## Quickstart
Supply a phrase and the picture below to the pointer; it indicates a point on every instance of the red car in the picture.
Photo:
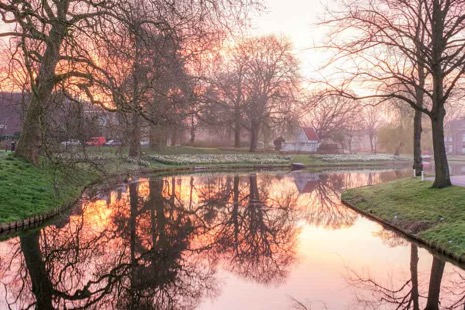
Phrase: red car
(96, 141)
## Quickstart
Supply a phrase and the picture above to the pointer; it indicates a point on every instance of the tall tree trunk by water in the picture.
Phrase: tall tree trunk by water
(254, 131)
(192, 139)
(134, 139)
(441, 166)
(442, 178)
(31, 139)
(437, 270)
(419, 95)
(417, 161)
(237, 128)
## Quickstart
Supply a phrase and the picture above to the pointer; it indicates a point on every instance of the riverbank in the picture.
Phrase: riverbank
(433, 217)
(31, 194)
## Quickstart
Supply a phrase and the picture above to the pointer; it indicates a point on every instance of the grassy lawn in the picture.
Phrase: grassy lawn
(26, 190)
(435, 216)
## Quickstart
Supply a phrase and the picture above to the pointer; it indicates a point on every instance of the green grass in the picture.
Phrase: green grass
(26, 190)
(436, 216)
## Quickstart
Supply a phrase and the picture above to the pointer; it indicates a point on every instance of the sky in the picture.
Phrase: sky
(297, 20)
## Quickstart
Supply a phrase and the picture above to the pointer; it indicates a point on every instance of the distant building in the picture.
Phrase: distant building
(454, 137)
(10, 113)
(306, 141)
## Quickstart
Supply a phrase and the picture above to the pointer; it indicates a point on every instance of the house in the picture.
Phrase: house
(306, 141)
(454, 137)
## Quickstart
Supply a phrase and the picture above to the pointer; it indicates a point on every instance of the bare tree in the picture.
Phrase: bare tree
(334, 118)
(271, 81)
(391, 43)
(57, 44)
(371, 121)
(225, 98)
(42, 36)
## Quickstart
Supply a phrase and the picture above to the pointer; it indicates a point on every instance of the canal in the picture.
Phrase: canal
(244, 240)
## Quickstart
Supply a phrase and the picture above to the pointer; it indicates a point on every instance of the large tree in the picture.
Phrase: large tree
(409, 50)
(224, 100)
(271, 81)
(44, 35)
(335, 118)
(56, 44)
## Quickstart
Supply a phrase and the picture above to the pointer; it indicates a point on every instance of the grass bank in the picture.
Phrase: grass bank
(26, 190)
(435, 217)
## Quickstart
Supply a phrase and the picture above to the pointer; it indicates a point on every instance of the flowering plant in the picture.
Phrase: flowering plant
(181, 159)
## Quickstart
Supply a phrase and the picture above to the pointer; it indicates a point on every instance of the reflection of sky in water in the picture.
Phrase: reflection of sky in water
(455, 168)
(221, 241)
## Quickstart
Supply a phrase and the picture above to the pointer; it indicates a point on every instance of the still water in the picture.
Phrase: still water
(264, 240)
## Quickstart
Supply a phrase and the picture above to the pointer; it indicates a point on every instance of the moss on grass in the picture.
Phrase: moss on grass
(435, 216)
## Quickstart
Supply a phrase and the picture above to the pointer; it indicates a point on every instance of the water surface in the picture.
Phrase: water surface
(265, 240)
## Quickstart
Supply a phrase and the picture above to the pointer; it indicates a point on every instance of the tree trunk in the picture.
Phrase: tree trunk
(174, 135)
(417, 161)
(30, 141)
(134, 139)
(237, 128)
(437, 270)
(192, 139)
(372, 146)
(442, 178)
(157, 137)
(254, 131)
(419, 97)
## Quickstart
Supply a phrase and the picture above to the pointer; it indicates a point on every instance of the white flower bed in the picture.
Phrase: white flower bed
(258, 159)
(339, 158)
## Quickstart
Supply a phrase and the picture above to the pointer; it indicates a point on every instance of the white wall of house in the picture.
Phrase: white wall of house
(309, 146)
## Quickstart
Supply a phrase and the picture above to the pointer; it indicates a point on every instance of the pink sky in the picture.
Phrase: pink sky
(297, 20)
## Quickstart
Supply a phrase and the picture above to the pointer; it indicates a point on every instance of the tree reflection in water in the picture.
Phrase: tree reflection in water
(156, 248)
(253, 233)
(158, 243)
(411, 293)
